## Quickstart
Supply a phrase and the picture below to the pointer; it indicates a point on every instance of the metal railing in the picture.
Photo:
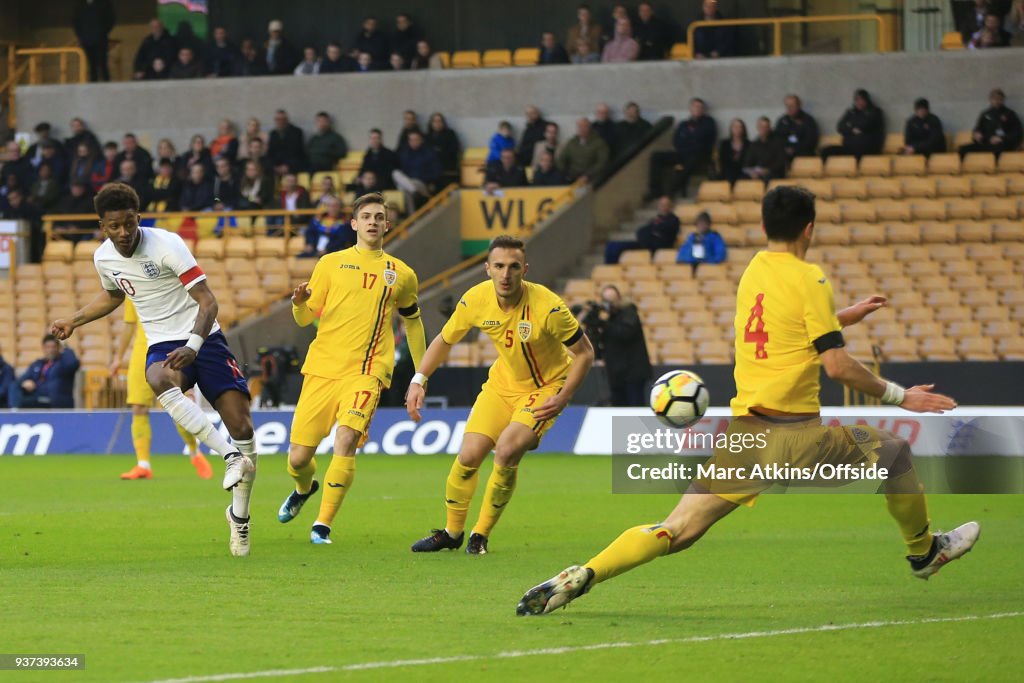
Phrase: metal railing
(884, 44)
(30, 59)
(437, 200)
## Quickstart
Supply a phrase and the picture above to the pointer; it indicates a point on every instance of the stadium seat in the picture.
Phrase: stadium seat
(974, 297)
(209, 249)
(580, 289)
(676, 352)
(989, 186)
(714, 191)
(1011, 162)
(912, 165)
(497, 58)
(1006, 232)
(938, 349)
(999, 208)
(928, 210)
(644, 271)
(806, 167)
(58, 250)
(952, 40)
(892, 211)
(918, 188)
(978, 162)
(899, 349)
(714, 352)
(722, 213)
(445, 59)
(1012, 297)
(664, 256)
(963, 209)
(983, 252)
(828, 212)
(465, 59)
(526, 56)
(961, 329)
(605, 273)
(953, 186)
(853, 211)
(973, 231)
(748, 190)
(849, 188)
(840, 167)
(300, 268)
(1010, 348)
(888, 188)
(893, 144)
(462, 355)
(947, 163)
(273, 247)
(646, 288)
(921, 330)
(867, 233)
(977, 348)
(875, 165)
(830, 140)
(938, 231)
(680, 52)
(84, 250)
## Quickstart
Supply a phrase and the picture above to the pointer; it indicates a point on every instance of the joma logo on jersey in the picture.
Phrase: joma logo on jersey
(490, 323)
(390, 277)
(349, 265)
(150, 270)
(524, 328)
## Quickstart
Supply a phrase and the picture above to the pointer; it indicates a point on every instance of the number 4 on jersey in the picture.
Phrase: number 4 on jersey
(757, 335)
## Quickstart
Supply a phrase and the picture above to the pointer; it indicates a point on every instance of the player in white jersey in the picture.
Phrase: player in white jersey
(178, 313)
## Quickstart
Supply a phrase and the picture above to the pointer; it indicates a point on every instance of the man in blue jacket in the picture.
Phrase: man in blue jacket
(694, 141)
(49, 382)
(704, 245)
(419, 168)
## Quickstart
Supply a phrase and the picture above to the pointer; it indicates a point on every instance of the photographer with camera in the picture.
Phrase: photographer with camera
(618, 337)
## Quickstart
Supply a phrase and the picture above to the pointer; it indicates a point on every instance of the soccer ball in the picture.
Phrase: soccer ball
(679, 398)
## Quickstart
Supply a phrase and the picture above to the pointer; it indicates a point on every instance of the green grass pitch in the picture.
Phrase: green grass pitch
(137, 576)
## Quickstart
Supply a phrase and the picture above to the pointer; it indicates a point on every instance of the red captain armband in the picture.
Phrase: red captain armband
(191, 275)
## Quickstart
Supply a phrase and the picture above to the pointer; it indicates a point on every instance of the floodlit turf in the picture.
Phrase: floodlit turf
(137, 576)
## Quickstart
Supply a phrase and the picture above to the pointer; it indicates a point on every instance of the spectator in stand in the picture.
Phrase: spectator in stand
(129, 175)
(252, 130)
(257, 152)
(396, 62)
(549, 144)
(7, 378)
(256, 190)
(405, 37)
(425, 57)
(106, 169)
(130, 149)
(328, 232)
(622, 47)
(327, 190)
(222, 56)
(379, 159)
(693, 143)
(582, 54)
(34, 153)
(712, 42)
(372, 42)
(862, 128)
(293, 197)
(49, 382)
(585, 29)
(17, 166)
(326, 146)
(251, 62)
(93, 21)
(797, 129)
(499, 141)
(335, 62)
(585, 155)
(632, 129)
(651, 33)
(445, 144)
(186, 66)
(419, 170)
(17, 208)
(165, 193)
(77, 201)
(619, 11)
(226, 142)
(197, 154)
(83, 165)
(923, 133)
(226, 187)
(551, 51)
(159, 70)
(165, 150)
(660, 233)
(45, 192)
(991, 34)
(506, 173)
(364, 63)
(704, 245)
(52, 155)
(410, 124)
(605, 127)
(365, 182)
(547, 173)
(186, 37)
(158, 44)
(534, 131)
(1015, 23)
(80, 133)
(197, 191)
(765, 158)
(281, 56)
(998, 128)
(287, 152)
(975, 21)
(310, 64)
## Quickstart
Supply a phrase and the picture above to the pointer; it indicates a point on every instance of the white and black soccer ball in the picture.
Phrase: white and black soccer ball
(679, 398)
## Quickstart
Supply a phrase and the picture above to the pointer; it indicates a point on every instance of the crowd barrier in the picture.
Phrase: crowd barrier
(580, 430)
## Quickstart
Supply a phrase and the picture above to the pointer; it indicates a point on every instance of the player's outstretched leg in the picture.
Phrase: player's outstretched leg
(459, 489)
(233, 406)
(692, 517)
(301, 467)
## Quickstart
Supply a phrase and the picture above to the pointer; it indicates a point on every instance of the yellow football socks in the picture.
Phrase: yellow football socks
(907, 504)
(142, 437)
(500, 487)
(190, 441)
(634, 547)
(458, 492)
(303, 476)
(337, 482)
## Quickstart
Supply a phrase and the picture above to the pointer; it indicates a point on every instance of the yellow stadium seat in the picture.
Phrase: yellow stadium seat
(828, 212)
(722, 214)
(910, 253)
(909, 165)
(977, 348)
(952, 40)
(841, 167)
(748, 190)
(998, 209)
(526, 56)
(680, 52)
(635, 256)
(921, 330)
(938, 349)
(889, 210)
(714, 191)
(641, 271)
(465, 59)
(83, 251)
(1011, 348)
(875, 165)
(210, 249)
(989, 185)
(580, 288)
(889, 188)
(846, 188)
(445, 59)
(1006, 232)
(902, 232)
(665, 257)
(947, 163)
(58, 250)
(270, 246)
(978, 162)
(900, 349)
(300, 269)
(240, 247)
(953, 186)
(961, 138)
(830, 140)
(676, 352)
(893, 144)
(928, 210)
(1011, 162)
(748, 212)
(963, 209)
(857, 211)
(918, 188)
(984, 252)
(806, 167)
(867, 233)
(973, 231)
(497, 58)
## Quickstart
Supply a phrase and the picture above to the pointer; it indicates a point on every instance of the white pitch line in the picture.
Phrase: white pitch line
(568, 649)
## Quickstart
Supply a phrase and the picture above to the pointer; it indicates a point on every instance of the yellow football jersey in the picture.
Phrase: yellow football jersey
(783, 306)
(356, 294)
(131, 317)
(531, 339)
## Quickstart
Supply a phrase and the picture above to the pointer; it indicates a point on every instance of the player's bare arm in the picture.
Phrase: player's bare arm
(185, 355)
(436, 354)
(860, 310)
(843, 368)
(102, 305)
(583, 358)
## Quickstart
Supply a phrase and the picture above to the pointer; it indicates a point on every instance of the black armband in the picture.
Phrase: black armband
(832, 340)
(409, 311)
(575, 337)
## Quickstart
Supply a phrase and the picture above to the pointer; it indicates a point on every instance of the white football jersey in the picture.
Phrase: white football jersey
(156, 278)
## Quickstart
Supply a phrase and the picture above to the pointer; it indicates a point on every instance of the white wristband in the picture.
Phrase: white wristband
(419, 378)
(893, 395)
(195, 342)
